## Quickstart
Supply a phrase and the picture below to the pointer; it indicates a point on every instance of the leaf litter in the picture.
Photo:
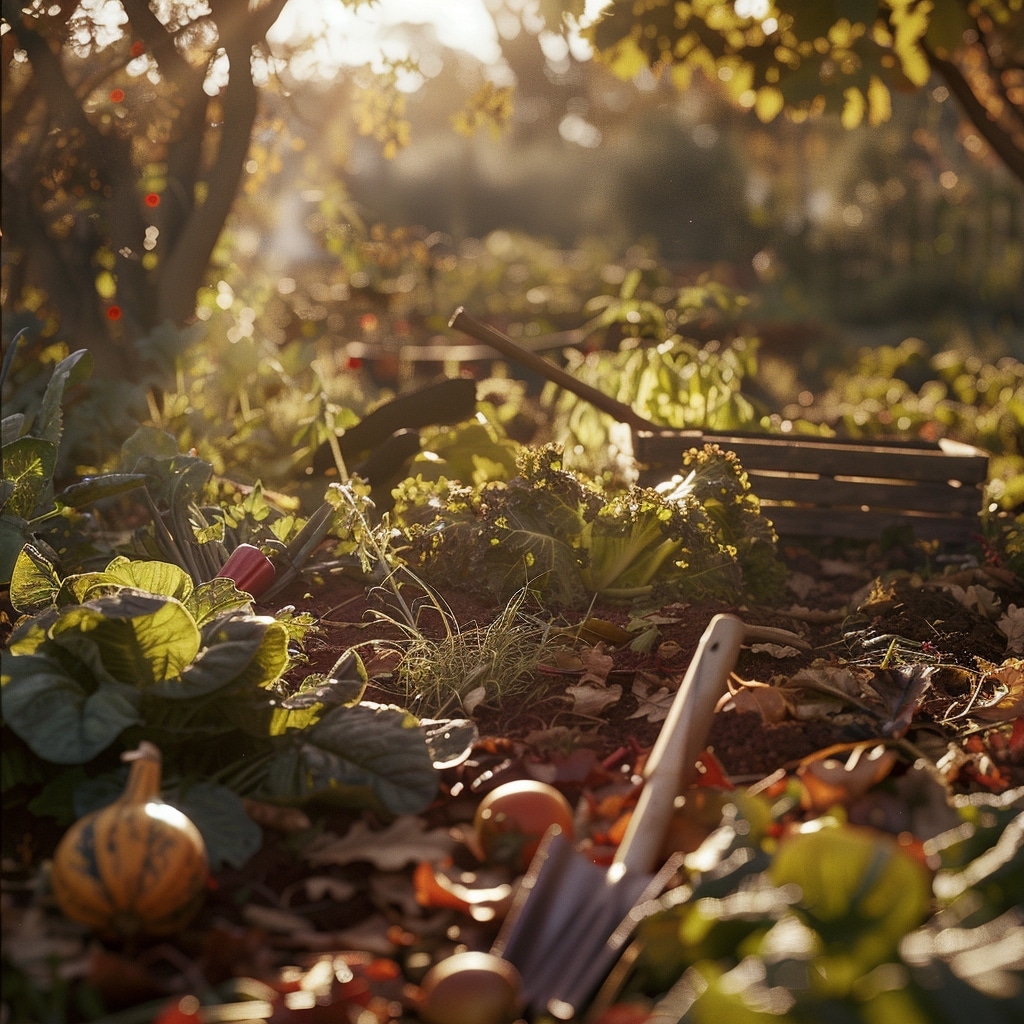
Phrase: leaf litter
(892, 701)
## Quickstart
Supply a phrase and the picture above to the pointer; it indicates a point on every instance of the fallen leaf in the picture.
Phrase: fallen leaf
(840, 774)
(775, 650)
(913, 801)
(838, 567)
(1017, 740)
(901, 691)
(645, 641)
(1009, 704)
(674, 612)
(801, 583)
(404, 841)
(436, 887)
(654, 701)
(838, 680)
(394, 891)
(596, 666)
(578, 766)
(593, 630)
(1011, 625)
(472, 700)
(952, 762)
(762, 699)
(33, 944)
(591, 700)
(978, 599)
(374, 934)
(317, 888)
(710, 773)
(561, 660)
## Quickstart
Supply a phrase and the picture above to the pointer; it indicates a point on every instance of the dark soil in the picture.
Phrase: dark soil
(842, 612)
(859, 608)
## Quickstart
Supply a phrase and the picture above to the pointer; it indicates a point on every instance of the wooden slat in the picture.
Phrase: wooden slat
(944, 461)
(828, 492)
(790, 521)
(817, 487)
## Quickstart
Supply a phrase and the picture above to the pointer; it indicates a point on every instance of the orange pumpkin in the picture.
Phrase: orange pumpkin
(135, 867)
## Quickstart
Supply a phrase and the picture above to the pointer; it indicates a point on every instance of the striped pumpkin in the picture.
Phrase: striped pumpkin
(135, 867)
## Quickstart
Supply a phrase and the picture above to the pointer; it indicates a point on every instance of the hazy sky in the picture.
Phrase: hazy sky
(345, 36)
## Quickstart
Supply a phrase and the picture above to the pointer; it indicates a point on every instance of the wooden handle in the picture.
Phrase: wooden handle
(502, 343)
(682, 738)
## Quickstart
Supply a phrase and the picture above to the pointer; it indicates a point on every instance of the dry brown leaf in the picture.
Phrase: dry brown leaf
(1011, 625)
(594, 630)
(442, 886)
(596, 666)
(841, 680)
(374, 934)
(762, 699)
(34, 943)
(394, 891)
(775, 650)
(404, 841)
(472, 700)
(316, 888)
(977, 599)
(590, 700)
(1010, 703)
(654, 701)
(840, 774)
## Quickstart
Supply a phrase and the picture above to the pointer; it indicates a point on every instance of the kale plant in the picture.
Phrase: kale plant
(563, 536)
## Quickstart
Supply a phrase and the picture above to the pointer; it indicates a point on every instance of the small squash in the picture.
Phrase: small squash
(135, 867)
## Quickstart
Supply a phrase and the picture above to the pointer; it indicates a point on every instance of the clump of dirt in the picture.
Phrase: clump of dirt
(932, 616)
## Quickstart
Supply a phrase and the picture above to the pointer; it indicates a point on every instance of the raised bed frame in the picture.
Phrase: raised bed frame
(808, 486)
(825, 487)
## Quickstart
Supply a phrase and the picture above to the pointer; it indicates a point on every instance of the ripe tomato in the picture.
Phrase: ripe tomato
(511, 820)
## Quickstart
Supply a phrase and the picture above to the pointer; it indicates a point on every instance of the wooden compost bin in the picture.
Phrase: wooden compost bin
(808, 486)
(818, 487)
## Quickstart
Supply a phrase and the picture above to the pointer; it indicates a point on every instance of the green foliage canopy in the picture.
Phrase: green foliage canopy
(805, 57)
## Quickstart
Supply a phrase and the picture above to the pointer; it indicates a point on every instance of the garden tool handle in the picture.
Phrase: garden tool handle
(502, 343)
(682, 738)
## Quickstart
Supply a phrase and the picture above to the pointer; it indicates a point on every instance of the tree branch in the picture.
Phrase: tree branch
(988, 127)
(159, 43)
(185, 266)
(184, 269)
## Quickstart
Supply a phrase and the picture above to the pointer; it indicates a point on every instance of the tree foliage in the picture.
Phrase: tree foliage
(126, 139)
(131, 128)
(806, 57)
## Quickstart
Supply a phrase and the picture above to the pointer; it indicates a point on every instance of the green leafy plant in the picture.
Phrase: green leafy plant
(837, 921)
(905, 391)
(137, 651)
(198, 522)
(680, 357)
(552, 531)
(31, 511)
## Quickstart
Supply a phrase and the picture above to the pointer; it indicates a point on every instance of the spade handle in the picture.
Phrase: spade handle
(682, 738)
(502, 343)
